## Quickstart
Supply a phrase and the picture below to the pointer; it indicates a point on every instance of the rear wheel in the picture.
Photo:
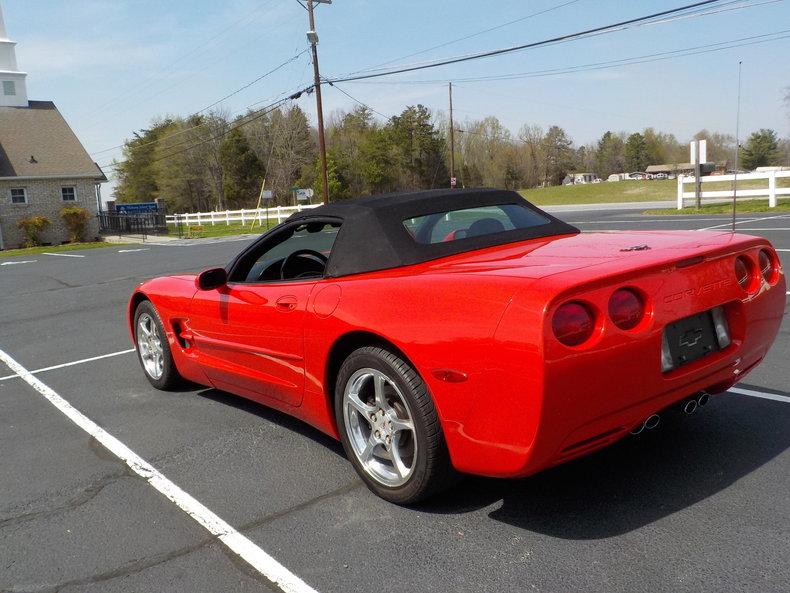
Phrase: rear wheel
(153, 349)
(389, 427)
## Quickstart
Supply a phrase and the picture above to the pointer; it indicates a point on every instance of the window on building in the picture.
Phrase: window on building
(9, 88)
(69, 194)
(18, 195)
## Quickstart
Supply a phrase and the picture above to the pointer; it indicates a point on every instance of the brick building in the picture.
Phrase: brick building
(43, 165)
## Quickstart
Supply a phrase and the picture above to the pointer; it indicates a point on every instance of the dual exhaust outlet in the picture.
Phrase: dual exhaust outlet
(687, 406)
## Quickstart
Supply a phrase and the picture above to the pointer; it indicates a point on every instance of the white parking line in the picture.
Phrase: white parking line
(781, 249)
(651, 220)
(70, 364)
(743, 221)
(235, 541)
(64, 254)
(131, 250)
(16, 263)
(760, 394)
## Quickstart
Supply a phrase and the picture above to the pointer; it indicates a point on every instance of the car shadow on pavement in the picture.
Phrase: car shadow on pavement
(273, 416)
(638, 480)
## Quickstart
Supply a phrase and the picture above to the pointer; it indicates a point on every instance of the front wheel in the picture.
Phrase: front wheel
(153, 350)
(389, 427)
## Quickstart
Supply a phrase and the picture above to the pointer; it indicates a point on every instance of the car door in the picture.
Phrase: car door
(249, 333)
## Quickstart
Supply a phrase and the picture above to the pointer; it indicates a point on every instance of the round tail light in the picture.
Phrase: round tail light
(626, 308)
(573, 324)
(767, 266)
(743, 271)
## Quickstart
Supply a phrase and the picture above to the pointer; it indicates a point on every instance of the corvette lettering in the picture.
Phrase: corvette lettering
(700, 290)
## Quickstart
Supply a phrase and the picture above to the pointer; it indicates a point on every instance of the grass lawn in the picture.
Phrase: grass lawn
(782, 205)
(219, 230)
(629, 191)
(604, 192)
(56, 248)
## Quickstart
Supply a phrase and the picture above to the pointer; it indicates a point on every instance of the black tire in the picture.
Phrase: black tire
(170, 377)
(431, 470)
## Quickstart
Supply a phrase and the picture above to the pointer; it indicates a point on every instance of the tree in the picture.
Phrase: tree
(419, 149)
(663, 148)
(283, 142)
(761, 149)
(721, 147)
(558, 158)
(135, 173)
(609, 158)
(635, 153)
(243, 172)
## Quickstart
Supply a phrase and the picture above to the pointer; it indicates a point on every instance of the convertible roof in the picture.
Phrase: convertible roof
(373, 237)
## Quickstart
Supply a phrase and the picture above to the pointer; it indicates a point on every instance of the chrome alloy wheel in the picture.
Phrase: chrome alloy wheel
(380, 427)
(149, 344)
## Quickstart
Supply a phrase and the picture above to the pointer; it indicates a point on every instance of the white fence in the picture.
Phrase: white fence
(259, 215)
(770, 191)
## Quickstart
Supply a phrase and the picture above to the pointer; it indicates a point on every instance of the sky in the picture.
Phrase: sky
(111, 66)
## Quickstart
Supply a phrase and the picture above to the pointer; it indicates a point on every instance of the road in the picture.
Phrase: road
(698, 505)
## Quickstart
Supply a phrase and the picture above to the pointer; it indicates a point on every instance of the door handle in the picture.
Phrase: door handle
(286, 303)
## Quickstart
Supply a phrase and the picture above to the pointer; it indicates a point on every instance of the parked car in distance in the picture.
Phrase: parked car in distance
(465, 331)
(661, 176)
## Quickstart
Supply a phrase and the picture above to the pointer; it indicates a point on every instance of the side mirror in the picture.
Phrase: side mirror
(211, 279)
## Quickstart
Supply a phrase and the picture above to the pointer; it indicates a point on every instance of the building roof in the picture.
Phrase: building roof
(35, 141)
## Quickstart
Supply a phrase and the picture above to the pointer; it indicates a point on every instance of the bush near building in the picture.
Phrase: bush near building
(76, 220)
(33, 226)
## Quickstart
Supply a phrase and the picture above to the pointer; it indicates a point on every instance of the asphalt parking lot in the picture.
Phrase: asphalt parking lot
(699, 505)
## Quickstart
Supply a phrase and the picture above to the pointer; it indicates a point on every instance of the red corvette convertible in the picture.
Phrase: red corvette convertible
(465, 331)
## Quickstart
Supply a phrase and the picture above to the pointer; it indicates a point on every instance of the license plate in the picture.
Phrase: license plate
(691, 338)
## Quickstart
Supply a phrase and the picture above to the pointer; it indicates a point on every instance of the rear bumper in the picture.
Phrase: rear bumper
(544, 405)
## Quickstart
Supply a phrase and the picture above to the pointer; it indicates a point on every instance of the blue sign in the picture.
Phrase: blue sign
(136, 208)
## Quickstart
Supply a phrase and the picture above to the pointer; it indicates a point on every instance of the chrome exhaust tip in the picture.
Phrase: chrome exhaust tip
(652, 421)
(703, 398)
(690, 407)
(638, 429)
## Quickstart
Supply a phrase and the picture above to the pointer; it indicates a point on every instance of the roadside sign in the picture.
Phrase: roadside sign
(303, 195)
(453, 181)
(267, 194)
(140, 208)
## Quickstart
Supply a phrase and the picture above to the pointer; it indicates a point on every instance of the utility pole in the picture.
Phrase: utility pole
(452, 141)
(312, 37)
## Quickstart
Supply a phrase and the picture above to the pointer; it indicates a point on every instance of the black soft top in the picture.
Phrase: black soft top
(373, 236)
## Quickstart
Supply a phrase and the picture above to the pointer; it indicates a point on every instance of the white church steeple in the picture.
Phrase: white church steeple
(13, 91)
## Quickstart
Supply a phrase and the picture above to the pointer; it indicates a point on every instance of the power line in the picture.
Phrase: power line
(560, 39)
(470, 36)
(215, 103)
(365, 105)
(641, 59)
(687, 14)
(257, 80)
(196, 113)
(261, 113)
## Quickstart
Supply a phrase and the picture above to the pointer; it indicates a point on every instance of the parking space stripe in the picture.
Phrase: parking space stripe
(760, 394)
(64, 254)
(256, 557)
(70, 364)
(743, 221)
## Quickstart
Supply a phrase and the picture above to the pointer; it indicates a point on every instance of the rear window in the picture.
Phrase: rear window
(454, 225)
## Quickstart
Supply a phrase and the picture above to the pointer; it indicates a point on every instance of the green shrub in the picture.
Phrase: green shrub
(76, 220)
(33, 226)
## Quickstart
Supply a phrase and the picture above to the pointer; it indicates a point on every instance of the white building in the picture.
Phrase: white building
(13, 90)
(43, 165)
